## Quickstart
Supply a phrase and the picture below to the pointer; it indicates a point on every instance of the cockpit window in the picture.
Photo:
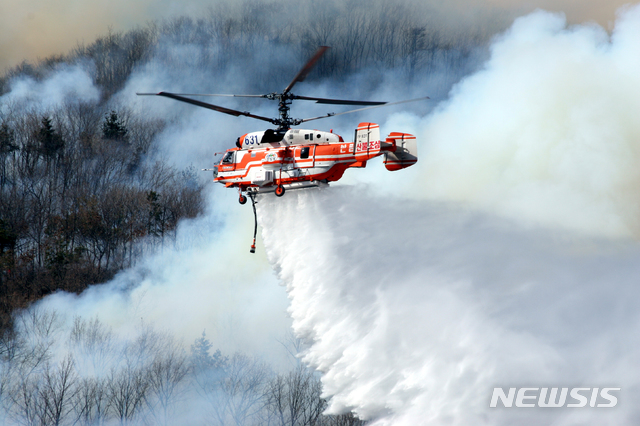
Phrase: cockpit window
(228, 158)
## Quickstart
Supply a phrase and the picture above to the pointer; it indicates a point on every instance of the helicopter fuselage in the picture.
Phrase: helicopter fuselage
(302, 158)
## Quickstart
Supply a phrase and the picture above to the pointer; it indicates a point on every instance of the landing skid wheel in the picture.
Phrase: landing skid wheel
(242, 199)
(279, 191)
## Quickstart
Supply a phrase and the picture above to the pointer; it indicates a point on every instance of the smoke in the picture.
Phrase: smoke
(508, 259)
(546, 131)
(206, 281)
(65, 84)
(30, 30)
(505, 257)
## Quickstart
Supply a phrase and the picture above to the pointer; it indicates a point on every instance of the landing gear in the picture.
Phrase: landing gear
(279, 191)
(242, 199)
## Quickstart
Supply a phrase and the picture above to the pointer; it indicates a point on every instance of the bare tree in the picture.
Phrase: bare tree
(25, 407)
(93, 341)
(126, 391)
(36, 331)
(57, 390)
(233, 389)
(294, 399)
(90, 402)
(166, 377)
(342, 420)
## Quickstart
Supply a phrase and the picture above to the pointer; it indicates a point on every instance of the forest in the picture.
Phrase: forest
(149, 379)
(86, 191)
(77, 199)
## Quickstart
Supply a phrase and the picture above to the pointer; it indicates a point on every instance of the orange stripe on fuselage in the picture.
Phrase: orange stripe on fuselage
(337, 153)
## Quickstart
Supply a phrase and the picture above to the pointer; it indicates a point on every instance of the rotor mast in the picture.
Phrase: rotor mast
(284, 105)
(285, 119)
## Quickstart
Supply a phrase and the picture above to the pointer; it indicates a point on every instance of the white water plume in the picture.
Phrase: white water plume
(416, 310)
(519, 265)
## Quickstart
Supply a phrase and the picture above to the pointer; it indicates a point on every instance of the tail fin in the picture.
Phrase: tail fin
(367, 141)
(405, 153)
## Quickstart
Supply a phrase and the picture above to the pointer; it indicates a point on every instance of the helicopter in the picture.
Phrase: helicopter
(284, 158)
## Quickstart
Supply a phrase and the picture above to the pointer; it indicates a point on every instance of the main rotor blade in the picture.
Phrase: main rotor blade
(208, 94)
(337, 101)
(304, 98)
(302, 74)
(332, 114)
(209, 106)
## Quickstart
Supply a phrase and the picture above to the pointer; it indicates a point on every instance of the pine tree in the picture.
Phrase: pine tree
(50, 141)
(7, 138)
(114, 128)
(201, 357)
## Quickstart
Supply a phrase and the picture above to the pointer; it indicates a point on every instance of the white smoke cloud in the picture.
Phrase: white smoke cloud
(66, 83)
(546, 131)
(207, 281)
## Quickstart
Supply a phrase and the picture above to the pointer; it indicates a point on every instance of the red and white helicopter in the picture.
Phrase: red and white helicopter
(275, 160)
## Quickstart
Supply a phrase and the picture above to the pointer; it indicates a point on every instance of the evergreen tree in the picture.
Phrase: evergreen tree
(7, 138)
(7, 237)
(114, 128)
(201, 357)
(50, 142)
(7, 146)
(200, 351)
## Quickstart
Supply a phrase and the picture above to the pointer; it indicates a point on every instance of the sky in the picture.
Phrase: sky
(35, 29)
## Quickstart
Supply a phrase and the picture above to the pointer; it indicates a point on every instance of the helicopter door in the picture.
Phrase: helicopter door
(305, 156)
